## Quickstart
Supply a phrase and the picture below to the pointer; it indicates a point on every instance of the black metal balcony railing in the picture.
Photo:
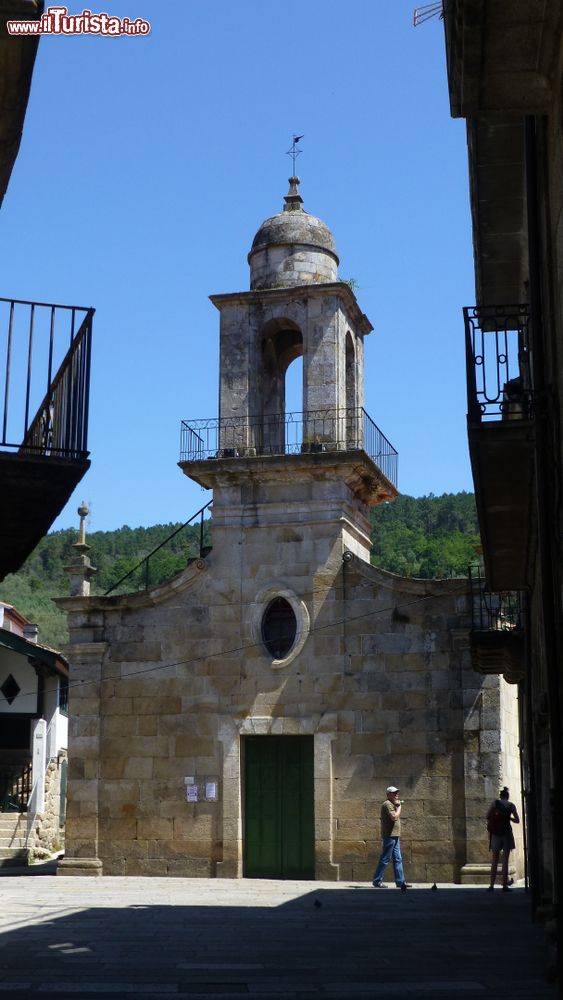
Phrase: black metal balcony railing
(46, 351)
(503, 611)
(328, 430)
(499, 382)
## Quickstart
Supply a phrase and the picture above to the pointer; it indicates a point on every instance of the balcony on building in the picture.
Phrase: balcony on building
(497, 637)
(45, 356)
(328, 437)
(500, 422)
(500, 61)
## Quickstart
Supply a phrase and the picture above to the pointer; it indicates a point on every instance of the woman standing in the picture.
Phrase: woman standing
(501, 814)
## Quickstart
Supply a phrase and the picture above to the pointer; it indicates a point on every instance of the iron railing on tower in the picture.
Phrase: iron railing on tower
(327, 430)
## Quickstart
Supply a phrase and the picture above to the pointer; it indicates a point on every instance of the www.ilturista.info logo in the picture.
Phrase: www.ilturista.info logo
(58, 21)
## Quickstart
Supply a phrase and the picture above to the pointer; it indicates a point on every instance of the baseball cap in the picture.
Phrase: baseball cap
(392, 788)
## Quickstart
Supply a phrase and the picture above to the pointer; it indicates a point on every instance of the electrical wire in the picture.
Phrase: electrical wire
(255, 645)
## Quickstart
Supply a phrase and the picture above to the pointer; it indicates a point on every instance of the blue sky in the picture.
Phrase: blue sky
(146, 166)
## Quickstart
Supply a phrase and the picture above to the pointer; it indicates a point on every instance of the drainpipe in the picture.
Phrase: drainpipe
(546, 510)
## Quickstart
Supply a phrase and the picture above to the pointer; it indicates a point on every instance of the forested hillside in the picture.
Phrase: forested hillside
(113, 553)
(414, 536)
(426, 536)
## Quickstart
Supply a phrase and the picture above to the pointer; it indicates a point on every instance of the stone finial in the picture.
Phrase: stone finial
(81, 570)
(293, 200)
(83, 512)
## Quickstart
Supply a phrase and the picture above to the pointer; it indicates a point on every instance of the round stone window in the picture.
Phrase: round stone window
(279, 628)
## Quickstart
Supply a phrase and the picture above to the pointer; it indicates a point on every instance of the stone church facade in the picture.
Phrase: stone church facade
(245, 717)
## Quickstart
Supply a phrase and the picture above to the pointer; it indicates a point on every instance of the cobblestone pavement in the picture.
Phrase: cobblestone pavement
(193, 938)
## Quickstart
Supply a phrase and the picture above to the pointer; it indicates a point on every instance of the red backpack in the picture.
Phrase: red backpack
(498, 821)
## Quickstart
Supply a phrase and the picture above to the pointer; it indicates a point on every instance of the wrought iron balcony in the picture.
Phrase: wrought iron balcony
(46, 378)
(497, 630)
(313, 431)
(501, 431)
(499, 385)
(45, 357)
(503, 611)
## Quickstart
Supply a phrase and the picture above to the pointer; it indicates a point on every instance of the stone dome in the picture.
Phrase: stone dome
(292, 247)
(294, 227)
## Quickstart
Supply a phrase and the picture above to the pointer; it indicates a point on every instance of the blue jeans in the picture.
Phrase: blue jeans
(391, 852)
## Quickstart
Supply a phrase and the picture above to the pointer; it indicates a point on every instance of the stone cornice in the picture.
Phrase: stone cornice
(85, 651)
(452, 587)
(267, 296)
(358, 470)
(142, 598)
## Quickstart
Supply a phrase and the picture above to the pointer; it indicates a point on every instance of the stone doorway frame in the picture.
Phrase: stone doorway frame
(231, 731)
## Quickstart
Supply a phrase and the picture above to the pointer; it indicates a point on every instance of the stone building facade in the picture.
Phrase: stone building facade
(245, 717)
(505, 78)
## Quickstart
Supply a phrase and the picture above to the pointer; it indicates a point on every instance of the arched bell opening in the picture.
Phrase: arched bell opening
(294, 390)
(282, 343)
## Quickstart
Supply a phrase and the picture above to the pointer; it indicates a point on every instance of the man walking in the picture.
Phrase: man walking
(390, 835)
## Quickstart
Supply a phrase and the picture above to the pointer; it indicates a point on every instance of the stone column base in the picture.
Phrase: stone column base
(228, 869)
(475, 875)
(481, 874)
(80, 866)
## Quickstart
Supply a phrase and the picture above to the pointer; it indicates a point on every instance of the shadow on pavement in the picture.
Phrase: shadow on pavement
(338, 943)
(41, 868)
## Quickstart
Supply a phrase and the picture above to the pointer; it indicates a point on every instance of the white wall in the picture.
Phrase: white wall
(57, 723)
(22, 671)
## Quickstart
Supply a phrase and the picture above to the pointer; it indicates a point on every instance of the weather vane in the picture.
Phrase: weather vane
(294, 152)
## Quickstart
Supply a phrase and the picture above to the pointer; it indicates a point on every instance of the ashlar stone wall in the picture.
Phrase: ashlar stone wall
(166, 686)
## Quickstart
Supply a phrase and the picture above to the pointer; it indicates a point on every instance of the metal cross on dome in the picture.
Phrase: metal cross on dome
(294, 152)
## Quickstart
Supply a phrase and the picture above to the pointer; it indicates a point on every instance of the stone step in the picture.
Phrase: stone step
(11, 842)
(9, 825)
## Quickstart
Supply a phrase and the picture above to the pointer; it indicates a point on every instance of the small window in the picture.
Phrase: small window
(63, 695)
(279, 628)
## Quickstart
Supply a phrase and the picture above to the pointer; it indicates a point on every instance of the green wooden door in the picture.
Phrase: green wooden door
(279, 835)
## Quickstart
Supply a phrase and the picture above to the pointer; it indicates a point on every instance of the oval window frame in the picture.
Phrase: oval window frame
(299, 608)
(278, 614)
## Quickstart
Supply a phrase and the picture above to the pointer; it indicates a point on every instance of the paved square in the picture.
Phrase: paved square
(190, 938)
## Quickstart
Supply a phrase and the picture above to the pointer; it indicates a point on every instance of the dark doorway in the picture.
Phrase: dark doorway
(15, 733)
(279, 834)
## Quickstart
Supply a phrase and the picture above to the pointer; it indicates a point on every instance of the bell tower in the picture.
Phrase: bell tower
(316, 471)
